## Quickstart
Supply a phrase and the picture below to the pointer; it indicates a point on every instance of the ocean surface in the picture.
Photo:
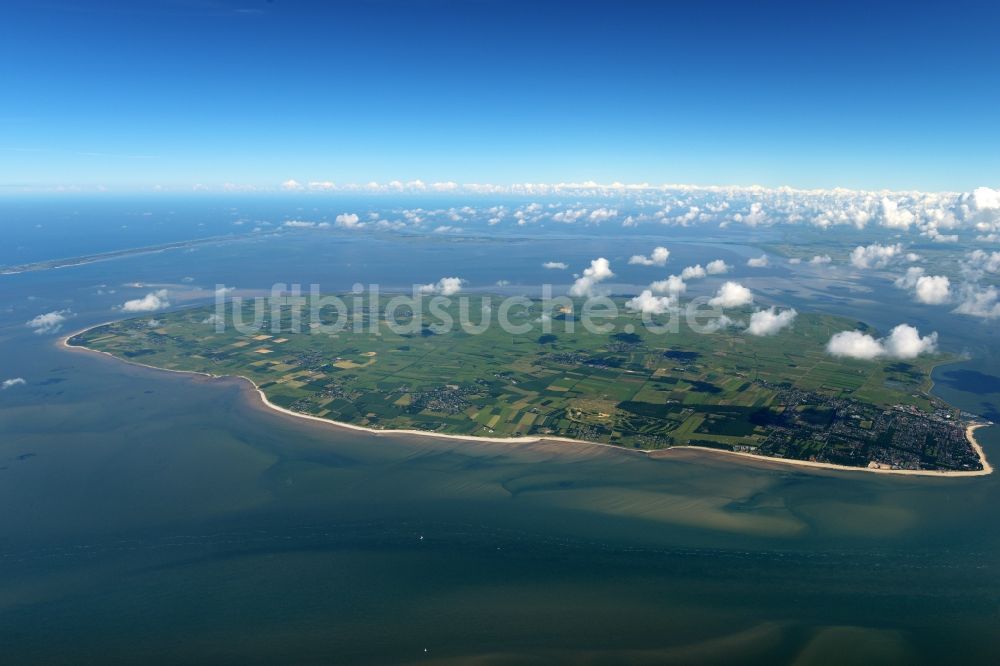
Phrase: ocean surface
(155, 517)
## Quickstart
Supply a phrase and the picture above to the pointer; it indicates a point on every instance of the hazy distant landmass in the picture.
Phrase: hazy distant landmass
(779, 396)
(66, 262)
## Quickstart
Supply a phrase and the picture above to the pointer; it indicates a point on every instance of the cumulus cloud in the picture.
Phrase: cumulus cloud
(12, 382)
(980, 260)
(717, 267)
(933, 289)
(903, 342)
(693, 272)
(151, 302)
(930, 289)
(447, 286)
(982, 302)
(731, 295)
(50, 322)
(599, 270)
(657, 258)
(875, 255)
(673, 285)
(854, 344)
(555, 265)
(820, 259)
(717, 324)
(569, 216)
(759, 262)
(602, 214)
(984, 198)
(909, 279)
(349, 221)
(770, 321)
(647, 303)
(894, 217)
(937, 216)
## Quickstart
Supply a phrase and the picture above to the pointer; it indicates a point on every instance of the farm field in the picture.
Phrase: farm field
(627, 386)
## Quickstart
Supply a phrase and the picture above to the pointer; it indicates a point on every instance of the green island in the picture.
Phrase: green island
(779, 396)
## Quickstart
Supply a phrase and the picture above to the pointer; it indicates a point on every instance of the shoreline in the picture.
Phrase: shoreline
(651, 453)
(84, 260)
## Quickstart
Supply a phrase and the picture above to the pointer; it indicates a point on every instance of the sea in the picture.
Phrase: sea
(153, 517)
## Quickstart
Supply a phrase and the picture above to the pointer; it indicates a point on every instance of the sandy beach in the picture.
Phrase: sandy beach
(657, 453)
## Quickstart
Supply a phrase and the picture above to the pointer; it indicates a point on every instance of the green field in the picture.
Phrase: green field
(634, 389)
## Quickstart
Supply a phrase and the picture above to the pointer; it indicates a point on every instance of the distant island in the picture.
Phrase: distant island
(771, 397)
(81, 260)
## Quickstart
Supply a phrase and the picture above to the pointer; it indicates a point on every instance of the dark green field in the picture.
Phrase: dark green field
(629, 387)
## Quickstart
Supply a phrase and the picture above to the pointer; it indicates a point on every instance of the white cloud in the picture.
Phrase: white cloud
(349, 221)
(983, 302)
(875, 255)
(854, 344)
(717, 267)
(649, 304)
(893, 217)
(602, 214)
(820, 259)
(151, 302)
(909, 279)
(984, 261)
(933, 289)
(693, 272)
(986, 199)
(569, 216)
(50, 322)
(717, 324)
(694, 214)
(12, 382)
(731, 295)
(555, 265)
(657, 258)
(903, 342)
(322, 185)
(759, 262)
(447, 286)
(770, 321)
(302, 224)
(673, 285)
(756, 217)
(599, 270)
(930, 289)
(291, 185)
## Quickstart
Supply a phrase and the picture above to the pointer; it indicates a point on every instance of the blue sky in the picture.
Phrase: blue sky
(811, 94)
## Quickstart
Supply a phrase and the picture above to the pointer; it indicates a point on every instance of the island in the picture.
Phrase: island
(386, 368)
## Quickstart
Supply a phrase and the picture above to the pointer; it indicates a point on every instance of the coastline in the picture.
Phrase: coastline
(83, 260)
(651, 453)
